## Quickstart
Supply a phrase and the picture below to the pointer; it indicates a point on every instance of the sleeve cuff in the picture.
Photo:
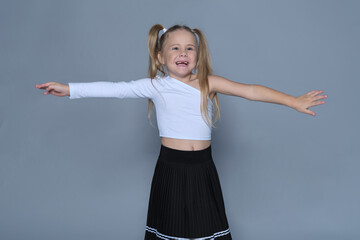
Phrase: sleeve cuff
(72, 91)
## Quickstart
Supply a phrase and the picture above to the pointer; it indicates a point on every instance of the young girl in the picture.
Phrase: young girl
(186, 200)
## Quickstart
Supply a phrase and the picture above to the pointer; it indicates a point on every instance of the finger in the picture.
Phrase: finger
(319, 92)
(318, 103)
(41, 86)
(310, 93)
(50, 88)
(314, 93)
(316, 98)
(312, 113)
(53, 91)
(44, 85)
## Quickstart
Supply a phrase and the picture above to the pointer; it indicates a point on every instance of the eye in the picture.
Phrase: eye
(190, 48)
(175, 48)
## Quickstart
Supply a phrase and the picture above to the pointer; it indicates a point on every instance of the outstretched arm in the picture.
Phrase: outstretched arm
(265, 94)
(141, 88)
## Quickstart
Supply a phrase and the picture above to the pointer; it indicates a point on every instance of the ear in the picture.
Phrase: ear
(160, 58)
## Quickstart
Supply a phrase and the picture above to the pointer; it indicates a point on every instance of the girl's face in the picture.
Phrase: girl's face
(179, 54)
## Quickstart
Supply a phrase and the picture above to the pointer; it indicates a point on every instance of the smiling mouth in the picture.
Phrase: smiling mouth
(184, 63)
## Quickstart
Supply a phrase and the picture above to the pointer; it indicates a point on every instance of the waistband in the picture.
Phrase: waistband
(172, 155)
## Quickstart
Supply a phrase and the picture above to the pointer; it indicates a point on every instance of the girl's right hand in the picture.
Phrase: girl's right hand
(55, 88)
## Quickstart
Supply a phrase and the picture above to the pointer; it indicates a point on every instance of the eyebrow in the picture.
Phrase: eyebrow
(179, 44)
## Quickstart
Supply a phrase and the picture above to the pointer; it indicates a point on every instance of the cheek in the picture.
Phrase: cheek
(194, 58)
(169, 56)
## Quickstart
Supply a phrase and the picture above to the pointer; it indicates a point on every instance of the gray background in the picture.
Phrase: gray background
(81, 169)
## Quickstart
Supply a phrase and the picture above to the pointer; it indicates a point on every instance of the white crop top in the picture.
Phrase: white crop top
(177, 104)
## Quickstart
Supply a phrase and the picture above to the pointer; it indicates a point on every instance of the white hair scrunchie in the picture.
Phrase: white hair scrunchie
(162, 33)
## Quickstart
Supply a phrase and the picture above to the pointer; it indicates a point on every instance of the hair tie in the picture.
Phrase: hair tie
(163, 31)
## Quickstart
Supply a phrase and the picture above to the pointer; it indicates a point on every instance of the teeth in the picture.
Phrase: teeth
(180, 62)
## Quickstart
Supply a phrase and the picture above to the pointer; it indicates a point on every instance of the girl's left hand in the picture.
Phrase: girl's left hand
(310, 99)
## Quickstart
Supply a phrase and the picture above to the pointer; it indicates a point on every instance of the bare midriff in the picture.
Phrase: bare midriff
(185, 144)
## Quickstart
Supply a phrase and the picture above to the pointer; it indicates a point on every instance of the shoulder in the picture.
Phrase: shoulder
(158, 80)
(158, 83)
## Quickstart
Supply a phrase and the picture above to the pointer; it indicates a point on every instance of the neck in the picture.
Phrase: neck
(186, 78)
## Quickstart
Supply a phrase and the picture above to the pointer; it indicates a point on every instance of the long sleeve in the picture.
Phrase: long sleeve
(141, 88)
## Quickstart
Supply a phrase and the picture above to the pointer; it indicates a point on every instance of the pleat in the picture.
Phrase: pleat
(186, 199)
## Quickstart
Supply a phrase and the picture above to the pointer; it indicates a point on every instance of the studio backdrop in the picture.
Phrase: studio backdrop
(81, 169)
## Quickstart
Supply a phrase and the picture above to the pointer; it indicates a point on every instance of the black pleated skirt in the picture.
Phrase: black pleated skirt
(186, 200)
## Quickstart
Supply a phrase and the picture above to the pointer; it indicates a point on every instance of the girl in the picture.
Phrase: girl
(186, 200)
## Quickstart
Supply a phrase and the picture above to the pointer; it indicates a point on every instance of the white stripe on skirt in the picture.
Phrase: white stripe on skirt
(166, 237)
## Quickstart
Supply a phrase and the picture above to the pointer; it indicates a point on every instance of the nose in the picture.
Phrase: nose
(183, 53)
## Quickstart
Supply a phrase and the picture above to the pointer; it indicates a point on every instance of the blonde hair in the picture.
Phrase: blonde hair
(203, 65)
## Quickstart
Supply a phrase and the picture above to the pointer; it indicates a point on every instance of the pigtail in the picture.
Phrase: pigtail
(154, 64)
(153, 47)
(204, 69)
